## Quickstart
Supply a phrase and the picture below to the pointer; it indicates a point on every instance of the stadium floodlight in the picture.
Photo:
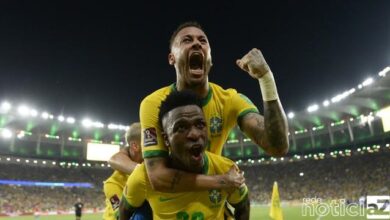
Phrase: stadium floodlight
(312, 108)
(301, 174)
(45, 115)
(291, 115)
(113, 126)
(23, 110)
(384, 71)
(86, 122)
(33, 113)
(5, 106)
(368, 81)
(98, 124)
(61, 118)
(54, 163)
(6, 133)
(360, 86)
(70, 120)
(17, 160)
(325, 103)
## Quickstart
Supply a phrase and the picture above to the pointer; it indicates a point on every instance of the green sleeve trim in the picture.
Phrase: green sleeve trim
(205, 169)
(155, 153)
(243, 113)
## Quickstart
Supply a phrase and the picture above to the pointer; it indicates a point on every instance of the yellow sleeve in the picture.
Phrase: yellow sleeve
(238, 195)
(151, 139)
(240, 105)
(134, 193)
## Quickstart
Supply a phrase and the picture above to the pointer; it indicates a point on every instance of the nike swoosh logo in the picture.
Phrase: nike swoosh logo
(162, 199)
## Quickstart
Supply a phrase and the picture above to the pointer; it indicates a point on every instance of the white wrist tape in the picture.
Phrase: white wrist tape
(268, 88)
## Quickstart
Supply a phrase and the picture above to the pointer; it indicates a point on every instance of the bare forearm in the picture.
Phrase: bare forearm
(122, 163)
(276, 128)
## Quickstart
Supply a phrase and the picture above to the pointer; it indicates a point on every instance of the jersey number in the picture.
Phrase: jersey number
(185, 216)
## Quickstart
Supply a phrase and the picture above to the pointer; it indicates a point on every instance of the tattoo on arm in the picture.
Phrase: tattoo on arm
(175, 180)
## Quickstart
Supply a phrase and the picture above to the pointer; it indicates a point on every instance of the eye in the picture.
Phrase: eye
(180, 128)
(203, 40)
(201, 124)
(186, 40)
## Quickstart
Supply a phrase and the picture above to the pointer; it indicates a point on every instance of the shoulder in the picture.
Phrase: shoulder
(219, 91)
(219, 163)
(158, 95)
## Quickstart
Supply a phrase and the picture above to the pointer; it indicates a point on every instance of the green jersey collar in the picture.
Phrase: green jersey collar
(205, 100)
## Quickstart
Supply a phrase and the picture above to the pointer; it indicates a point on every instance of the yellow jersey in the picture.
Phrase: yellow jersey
(208, 204)
(113, 188)
(222, 109)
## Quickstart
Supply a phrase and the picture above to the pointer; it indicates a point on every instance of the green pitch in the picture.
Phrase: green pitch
(257, 213)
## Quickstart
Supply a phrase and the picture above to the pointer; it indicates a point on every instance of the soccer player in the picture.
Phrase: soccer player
(113, 186)
(185, 134)
(78, 207)
(190, 54)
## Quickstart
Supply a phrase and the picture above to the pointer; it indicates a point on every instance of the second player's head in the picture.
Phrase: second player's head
(133, 139)
(190, 54)
(184, 129)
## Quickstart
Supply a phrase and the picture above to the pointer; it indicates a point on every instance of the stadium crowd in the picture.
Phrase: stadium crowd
(344, 177)
(347, 177)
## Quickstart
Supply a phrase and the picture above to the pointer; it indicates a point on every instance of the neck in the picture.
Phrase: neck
(177, 164)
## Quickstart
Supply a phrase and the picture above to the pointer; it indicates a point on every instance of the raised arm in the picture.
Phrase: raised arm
(166, 179)
(121, 161)
(271, 131)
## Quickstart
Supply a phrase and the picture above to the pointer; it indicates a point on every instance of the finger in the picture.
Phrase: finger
(239, 63)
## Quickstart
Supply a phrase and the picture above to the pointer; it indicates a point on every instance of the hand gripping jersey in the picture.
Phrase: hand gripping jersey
(208, 204)
(222, 109)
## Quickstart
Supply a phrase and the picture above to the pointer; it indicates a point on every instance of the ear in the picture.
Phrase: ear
(171, 59)
(165, 137)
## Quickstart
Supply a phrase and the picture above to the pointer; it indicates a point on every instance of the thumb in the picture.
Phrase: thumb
(239, 63)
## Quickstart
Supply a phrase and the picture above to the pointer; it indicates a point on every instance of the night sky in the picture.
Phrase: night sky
(99, 59)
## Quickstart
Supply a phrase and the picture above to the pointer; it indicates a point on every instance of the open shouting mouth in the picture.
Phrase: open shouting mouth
(196, 63)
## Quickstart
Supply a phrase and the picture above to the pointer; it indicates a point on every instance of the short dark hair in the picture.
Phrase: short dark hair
(177, 99)
(182, 26)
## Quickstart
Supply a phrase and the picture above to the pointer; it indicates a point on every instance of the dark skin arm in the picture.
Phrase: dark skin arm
(166, 179)
(242, 210)
(125, 212)
(121, 161)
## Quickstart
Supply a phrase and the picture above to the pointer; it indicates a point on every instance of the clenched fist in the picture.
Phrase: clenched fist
(254, 63)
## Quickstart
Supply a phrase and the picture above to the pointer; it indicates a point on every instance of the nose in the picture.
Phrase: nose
(194, 133)
(196, 44)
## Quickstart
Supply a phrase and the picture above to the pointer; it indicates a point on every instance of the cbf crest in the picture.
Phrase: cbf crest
(215, 126)
(215, 196)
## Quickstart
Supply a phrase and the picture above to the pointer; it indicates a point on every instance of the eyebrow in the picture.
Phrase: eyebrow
(198, 36)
